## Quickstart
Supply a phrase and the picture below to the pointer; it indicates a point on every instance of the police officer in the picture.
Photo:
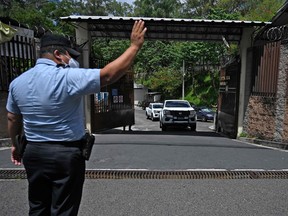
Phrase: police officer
(47, 99)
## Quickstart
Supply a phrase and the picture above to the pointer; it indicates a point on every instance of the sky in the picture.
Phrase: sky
(128, 1)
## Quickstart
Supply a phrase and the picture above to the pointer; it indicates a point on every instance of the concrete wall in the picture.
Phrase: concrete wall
(139, 93)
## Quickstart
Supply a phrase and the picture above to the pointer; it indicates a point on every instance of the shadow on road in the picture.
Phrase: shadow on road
(168, 132)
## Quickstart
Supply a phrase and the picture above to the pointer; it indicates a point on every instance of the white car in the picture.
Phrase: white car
(153, 110)
(177, 113)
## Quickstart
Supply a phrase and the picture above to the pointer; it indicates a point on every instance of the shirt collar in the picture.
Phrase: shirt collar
(46, 61)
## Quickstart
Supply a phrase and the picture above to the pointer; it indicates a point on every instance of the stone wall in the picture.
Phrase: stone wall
(260, 117)
(285, 125)
(264, 121)
(267, 117)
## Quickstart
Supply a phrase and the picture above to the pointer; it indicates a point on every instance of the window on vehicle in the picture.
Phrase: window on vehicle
(158, 106)
(206, 110)
(177, 104)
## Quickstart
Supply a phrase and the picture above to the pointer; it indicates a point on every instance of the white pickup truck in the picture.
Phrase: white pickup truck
(177, 113)
(153, 110)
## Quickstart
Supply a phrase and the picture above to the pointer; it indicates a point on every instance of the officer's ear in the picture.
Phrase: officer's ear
(57, 55)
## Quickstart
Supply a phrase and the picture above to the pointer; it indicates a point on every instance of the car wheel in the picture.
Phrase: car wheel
(164, 127)
(204, 119)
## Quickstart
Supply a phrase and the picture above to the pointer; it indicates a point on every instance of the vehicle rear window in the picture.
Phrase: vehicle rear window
(158, 106)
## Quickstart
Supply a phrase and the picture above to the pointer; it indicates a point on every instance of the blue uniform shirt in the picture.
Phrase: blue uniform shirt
(50, 100)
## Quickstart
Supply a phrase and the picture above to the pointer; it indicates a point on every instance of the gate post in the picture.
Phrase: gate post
(244, 45)
(83, 37)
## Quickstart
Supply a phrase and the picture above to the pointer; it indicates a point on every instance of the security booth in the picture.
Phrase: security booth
(89, 27)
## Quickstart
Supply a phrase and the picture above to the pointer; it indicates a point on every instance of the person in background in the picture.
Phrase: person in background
(47, 101)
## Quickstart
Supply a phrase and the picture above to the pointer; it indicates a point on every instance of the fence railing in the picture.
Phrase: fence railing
(266, 69)
(16, 56)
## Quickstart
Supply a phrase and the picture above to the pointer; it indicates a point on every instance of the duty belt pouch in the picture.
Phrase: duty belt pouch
(20, 144)
(88, 142)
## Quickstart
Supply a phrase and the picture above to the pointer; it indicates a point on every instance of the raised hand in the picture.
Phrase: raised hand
(138, 33)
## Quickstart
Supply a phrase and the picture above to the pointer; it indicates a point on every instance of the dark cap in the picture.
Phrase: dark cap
(58, 40)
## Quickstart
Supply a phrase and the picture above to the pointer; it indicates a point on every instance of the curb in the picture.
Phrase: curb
(268, 143)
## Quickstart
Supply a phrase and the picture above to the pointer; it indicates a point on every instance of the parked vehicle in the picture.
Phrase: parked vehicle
(153, 110)
(177, 113)
(205, 114)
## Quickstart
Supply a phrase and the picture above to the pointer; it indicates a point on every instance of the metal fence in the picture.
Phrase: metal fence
(266, 69)
(17, 56)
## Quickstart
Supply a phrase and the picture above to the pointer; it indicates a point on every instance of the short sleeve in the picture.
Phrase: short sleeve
(11, 105)
(82, 81)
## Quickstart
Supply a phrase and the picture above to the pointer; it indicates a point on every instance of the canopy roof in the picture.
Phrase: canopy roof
(166, 28)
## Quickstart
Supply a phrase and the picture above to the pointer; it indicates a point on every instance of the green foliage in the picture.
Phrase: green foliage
(204, 90)
(157, 8)
(167, 81)
(109, 50)
(46, 14)
(159, 63)
(263, 10)
(119, 9)
(222, 14)
(198, 9)
(243, 134)
(260, 10)
(31, 14)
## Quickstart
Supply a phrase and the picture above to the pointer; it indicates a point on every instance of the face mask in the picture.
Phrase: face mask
(73, 63)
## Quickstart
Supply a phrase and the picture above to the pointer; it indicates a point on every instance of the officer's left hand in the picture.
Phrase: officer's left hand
(15, 157)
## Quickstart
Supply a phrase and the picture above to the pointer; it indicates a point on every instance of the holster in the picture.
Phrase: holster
(20, 144)
(88, 142)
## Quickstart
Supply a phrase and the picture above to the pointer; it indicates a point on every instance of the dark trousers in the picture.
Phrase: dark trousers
(56, 174)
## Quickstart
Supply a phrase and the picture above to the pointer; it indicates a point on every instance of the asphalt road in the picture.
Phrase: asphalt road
(147, 147)
(165, 198)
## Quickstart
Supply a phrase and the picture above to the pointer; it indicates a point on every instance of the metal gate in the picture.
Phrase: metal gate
(17, 56)
(114, 105)
(227, 113)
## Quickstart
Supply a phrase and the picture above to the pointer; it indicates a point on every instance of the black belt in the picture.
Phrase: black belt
(77, 143)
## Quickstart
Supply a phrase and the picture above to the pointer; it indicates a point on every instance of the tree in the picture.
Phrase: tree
(197, 9)
(119, 9)
(263, 10)
(156, 59)
(166, 81)
(157, 8)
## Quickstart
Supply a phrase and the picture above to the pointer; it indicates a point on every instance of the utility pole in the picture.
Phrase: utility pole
(183, 75)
